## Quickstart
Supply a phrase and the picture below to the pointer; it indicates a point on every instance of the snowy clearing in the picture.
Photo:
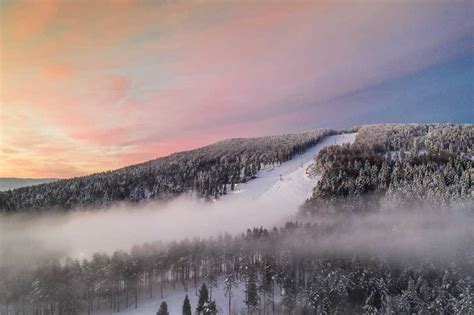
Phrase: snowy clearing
(175, 298)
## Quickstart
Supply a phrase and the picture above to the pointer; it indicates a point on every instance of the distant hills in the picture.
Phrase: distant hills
(7, 183)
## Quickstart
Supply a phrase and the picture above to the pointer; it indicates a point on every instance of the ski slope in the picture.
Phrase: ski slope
(287, 185)
(288, 181)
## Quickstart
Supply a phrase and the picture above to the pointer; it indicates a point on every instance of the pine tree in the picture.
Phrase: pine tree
(163, 309)
(203, 299)
(230, 283)
(251, 292)
(186, 306)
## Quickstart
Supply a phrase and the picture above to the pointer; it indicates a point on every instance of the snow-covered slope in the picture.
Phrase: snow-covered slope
(288, 180)
(288, 184)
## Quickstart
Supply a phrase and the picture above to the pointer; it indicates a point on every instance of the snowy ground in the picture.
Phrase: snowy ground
(288, 180)
(286, 184)
(175, 298)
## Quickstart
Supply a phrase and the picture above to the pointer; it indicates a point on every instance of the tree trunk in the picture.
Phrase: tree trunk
(136, 297)
(118, 302)
(126, 298)
(273, 297)
(150, 280)
(161, 285)
(88, 302)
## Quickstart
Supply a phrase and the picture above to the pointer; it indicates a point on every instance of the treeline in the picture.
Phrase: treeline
(279, 269)
(209, 172)
(454, 138)
(396, 164)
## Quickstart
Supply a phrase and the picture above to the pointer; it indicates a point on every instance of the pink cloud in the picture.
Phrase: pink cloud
(130, 81)
(116, 136)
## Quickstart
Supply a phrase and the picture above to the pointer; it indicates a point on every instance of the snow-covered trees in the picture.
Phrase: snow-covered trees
(230, 283)
(396, 165)
(206, 171)
(279, 271)
(203, 298)
(252, 299)
(205, 305)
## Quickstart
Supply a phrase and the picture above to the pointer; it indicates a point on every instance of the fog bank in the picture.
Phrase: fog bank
(400, 233)
(415, 234)
(80, 234)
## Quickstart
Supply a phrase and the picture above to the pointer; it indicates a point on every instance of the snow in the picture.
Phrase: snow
(289, 179)
(175, 298)
(287, 183)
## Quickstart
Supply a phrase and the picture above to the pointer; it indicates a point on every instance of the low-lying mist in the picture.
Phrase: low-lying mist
(423, 233)
(398, 234)
(82, 233)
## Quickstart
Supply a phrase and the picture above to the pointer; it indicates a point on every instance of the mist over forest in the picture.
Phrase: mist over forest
(418, 232)
(81, 233)
(387, 228)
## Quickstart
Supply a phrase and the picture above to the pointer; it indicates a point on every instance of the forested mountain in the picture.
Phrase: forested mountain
(397, 165)
(313, 266)
(208, 171)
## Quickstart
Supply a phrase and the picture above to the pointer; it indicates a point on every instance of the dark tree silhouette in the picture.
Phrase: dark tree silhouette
(186, 306)
(163, 310)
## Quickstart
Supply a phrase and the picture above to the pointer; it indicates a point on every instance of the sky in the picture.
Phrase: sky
(89, 86)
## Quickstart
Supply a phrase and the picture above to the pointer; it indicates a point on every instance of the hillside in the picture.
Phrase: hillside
(385, 231)
(209, 172)
(401, 165)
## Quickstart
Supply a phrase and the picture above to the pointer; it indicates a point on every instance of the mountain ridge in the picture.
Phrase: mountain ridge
(208, 171)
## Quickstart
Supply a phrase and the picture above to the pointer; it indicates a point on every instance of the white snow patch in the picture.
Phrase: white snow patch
(288, 180)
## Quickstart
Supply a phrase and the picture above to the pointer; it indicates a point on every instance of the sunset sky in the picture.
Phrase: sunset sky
(88, 86)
